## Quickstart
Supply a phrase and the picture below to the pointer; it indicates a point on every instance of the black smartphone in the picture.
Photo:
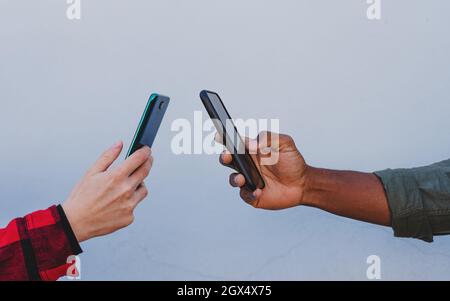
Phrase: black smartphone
(232, 140)
(150, 121)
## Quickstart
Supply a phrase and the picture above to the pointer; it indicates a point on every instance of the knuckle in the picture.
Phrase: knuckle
(106, 156)
(128, 192)
(263, 135)
(285, 138)
(142, 155)
(127, 209)
(147, 169)
(129, 219)
(145, 192)
(115, 178)
(264, 139)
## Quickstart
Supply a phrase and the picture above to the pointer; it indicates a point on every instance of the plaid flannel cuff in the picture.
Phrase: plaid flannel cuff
(48, 241)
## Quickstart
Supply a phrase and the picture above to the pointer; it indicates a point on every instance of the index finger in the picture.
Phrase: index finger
(134, 161)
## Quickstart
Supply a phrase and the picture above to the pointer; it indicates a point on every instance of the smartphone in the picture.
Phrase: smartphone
(232, 140)
(150, 121)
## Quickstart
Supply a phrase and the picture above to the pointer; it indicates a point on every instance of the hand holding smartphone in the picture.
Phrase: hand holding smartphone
(232, 140)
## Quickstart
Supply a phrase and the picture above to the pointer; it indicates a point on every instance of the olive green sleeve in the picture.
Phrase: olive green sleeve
(419, 200)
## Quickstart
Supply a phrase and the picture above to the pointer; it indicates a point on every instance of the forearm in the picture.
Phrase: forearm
(355, 195)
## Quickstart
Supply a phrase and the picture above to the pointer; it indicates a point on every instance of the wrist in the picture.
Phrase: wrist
(313, 186)
(76, 223)
(71, 239)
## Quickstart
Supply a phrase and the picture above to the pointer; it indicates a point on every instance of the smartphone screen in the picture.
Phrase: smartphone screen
(232, 140)
(150, 122)
(225, 125)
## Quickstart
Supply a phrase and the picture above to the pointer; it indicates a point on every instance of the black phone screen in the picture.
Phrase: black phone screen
(226, 127)
(232, 140)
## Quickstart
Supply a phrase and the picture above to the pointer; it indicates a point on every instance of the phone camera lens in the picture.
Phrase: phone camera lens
(161, 104)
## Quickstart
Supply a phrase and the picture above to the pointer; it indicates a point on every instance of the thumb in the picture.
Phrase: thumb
(107, 158)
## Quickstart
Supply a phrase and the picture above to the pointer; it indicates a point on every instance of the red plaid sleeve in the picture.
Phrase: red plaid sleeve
(36, 247)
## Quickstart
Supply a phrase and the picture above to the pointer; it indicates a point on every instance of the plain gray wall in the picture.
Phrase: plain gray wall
(354, 93)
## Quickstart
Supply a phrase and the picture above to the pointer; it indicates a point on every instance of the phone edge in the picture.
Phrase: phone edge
(152, 98)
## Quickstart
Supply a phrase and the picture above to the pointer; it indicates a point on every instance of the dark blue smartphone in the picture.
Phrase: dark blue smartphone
(150, 122)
